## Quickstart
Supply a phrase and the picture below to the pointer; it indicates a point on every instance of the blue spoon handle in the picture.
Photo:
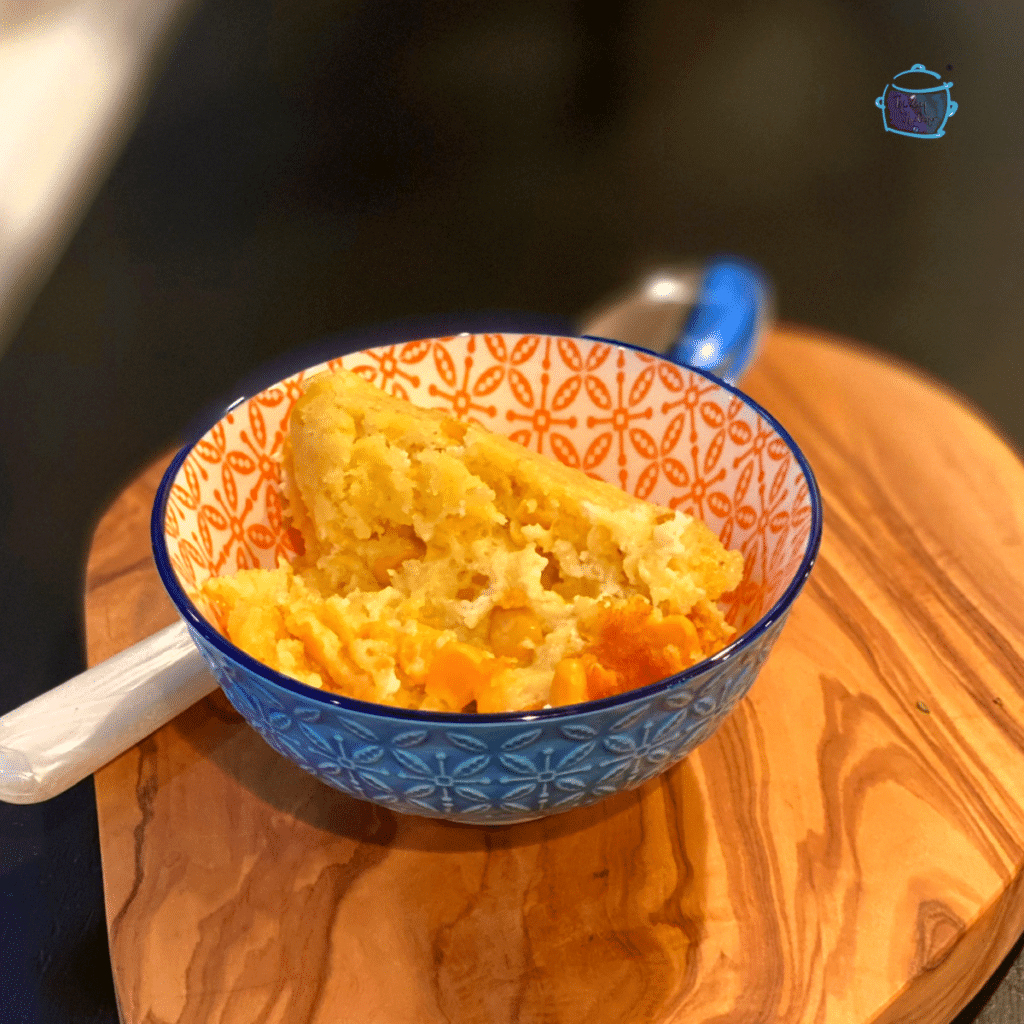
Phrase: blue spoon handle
(723, 330)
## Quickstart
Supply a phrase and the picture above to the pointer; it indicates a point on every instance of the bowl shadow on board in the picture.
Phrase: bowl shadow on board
(216, 732)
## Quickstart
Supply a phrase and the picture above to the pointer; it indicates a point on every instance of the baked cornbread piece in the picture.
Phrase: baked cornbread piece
(448, 568)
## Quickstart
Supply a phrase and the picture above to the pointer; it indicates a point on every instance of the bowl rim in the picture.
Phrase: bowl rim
(197, 622)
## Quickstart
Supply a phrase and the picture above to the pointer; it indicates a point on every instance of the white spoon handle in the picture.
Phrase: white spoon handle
(58, 738)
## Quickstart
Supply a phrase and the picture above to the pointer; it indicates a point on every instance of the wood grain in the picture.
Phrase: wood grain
(847, 849)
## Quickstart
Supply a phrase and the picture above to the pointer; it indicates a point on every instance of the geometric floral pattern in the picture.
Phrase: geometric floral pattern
(481, 770)
(656, 429)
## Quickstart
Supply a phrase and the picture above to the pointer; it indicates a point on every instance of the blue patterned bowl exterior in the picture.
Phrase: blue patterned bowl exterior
(504, 768)
(482, 770)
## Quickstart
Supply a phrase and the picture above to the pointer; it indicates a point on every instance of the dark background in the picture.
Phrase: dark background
(307, 167)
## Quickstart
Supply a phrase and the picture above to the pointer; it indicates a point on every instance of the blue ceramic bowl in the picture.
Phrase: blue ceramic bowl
(676, 436)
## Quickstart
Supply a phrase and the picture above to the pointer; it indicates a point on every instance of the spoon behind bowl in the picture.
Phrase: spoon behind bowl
(712, 320)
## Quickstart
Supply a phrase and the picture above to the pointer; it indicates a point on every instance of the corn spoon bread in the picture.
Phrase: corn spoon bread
(447, 568)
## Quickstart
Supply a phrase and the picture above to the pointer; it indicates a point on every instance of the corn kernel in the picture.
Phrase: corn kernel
(459, 671)
(601, 681)
(677, 630)
(515, 633)
(404, 549)
(569, 685)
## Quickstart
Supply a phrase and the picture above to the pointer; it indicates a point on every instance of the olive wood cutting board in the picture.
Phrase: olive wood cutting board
(847, 849)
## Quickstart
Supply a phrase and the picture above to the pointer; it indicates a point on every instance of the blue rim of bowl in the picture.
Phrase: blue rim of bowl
(190, 614)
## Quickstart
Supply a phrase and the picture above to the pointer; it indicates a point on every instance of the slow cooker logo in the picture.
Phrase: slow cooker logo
(916, 106)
